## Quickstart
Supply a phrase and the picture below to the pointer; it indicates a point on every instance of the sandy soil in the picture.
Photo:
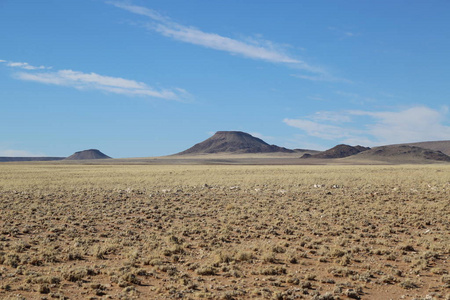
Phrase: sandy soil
(224, 232)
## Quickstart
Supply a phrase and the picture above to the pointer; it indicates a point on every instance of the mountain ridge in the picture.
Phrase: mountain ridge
(403, 152)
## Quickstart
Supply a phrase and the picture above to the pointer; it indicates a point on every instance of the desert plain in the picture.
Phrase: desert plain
(101, 231)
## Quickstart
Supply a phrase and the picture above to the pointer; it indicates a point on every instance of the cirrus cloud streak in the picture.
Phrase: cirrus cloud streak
(257, 49)
(250, 48)
(94, 81)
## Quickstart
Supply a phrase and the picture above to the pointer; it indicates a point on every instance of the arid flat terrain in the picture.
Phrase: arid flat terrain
(72, 231)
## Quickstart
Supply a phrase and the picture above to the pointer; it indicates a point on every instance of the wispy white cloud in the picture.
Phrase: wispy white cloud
(215, 41)
(94, 81)
(140, 10)
(23, 65)
(251, 48)
(419, 123)
(19, 153)
(323, 76)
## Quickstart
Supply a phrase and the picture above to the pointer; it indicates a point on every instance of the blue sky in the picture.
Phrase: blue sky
(148, 78)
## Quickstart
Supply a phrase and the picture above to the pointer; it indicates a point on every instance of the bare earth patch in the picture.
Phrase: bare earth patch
(224, 232)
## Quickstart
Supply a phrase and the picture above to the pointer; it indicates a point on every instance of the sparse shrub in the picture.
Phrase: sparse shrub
(294, 281)
(12, 260)
(408, 248)
(345, 260)
(206, 271)
(352, 294)
(245, 256)
(341, 272)
(224, 257)
(445, 279)
(278, 249)
(45, 280)
(50, 255)
(128, 279)
(293, 259)
(310, 277)
(326, 296)
(389, 279)
(44, 289)
(75, 255)
(408, 284)
(78, 274)
(391, 257)
(273, 271)
(269, 258)
(337, 253)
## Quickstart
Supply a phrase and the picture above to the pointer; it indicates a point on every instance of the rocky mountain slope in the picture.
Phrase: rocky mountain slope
(233, 142)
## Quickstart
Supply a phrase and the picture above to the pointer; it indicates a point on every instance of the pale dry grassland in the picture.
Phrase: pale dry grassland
(224, 232)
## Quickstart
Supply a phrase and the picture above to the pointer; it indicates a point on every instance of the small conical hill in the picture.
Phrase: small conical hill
(339, 151)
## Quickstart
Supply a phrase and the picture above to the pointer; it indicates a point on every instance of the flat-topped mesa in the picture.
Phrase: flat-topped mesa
(88, 154)
(233, 142)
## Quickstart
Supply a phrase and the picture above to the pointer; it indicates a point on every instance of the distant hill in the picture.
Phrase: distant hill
(46, 158)
(87, 154)
(233, 142)
(402, 153)
(443, 146)
(338, 151)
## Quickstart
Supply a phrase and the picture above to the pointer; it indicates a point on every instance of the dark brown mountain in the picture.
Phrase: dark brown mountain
(361, 148)
(443, 146)
(403, 153)
(233, 142)
(338, 151)
(87, 154)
